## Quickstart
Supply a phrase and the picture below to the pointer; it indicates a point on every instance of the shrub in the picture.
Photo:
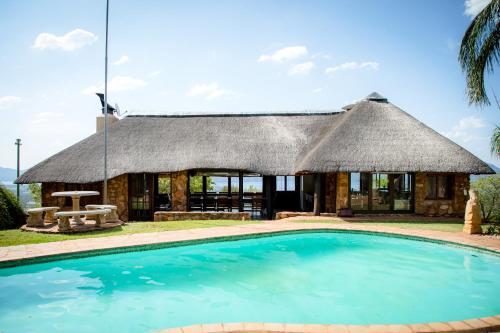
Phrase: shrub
(11, 214)
(489, 199)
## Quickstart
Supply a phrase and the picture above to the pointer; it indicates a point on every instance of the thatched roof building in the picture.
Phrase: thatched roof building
(372, 135)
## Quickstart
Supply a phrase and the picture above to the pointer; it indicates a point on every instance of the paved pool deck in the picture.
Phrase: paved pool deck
(13, 255)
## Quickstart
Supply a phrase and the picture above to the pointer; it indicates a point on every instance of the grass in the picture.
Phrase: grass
(18, 237)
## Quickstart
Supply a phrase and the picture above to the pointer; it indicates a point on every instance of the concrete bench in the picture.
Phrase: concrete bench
(36, 216)
(65, 216)
(113, 216)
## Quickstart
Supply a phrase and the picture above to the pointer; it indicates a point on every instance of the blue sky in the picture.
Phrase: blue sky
(230, 56)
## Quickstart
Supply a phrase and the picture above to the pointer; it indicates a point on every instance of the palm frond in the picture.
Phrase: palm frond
(479, 50)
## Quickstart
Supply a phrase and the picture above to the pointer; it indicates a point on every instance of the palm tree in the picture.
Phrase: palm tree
(479, 53)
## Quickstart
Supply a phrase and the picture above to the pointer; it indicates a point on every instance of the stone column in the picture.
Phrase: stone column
(472, 223)
(330, 192)
(180, 191)
(342, 200)
(118, 195)
(420, 194)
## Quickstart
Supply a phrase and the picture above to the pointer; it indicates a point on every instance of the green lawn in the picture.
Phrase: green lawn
(18, 237)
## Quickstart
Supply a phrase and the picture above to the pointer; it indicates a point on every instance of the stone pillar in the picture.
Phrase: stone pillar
(330, 192)
(118, 195)
(472, 223)
(342, 200)
(180, 191)
(420, 194)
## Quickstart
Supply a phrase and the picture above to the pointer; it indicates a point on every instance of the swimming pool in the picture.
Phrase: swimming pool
(319, 277)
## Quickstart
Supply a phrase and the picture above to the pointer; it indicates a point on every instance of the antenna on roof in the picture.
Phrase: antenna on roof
(118, 111)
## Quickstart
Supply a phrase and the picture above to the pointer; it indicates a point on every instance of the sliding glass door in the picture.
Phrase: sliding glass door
(381, 192)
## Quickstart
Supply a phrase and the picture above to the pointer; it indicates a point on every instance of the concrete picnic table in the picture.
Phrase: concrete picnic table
(75, 196)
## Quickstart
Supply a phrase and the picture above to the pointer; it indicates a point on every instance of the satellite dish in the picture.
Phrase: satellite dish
(118, 111)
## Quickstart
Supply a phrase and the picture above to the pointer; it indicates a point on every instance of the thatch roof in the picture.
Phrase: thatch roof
(372, 136)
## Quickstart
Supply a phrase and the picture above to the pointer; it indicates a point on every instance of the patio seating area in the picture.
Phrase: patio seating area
(50, 220)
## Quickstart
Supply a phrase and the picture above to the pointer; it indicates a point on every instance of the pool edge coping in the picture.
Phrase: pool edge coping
(485, 324)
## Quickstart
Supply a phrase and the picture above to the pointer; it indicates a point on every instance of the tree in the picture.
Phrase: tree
(36, 193)
(479, 53)
(11, 214)
(196, 184)
(489, 197)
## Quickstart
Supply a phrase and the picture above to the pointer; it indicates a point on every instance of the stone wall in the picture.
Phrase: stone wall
(181, 216)
(330, 197)
(118, 195)
(342, 198)
(180, 191)
(441, 207)
(47, 199)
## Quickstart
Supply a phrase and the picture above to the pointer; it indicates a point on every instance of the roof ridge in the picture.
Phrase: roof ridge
(220, 115)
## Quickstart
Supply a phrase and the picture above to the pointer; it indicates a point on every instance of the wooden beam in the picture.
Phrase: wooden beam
(317, 194)
(269, 189)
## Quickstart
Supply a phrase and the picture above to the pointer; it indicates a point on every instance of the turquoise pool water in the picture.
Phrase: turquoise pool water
(296, 278)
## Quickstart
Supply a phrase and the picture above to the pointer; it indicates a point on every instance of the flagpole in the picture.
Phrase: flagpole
(105, 186)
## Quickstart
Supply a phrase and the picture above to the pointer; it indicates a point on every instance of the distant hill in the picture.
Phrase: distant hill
(476, 177)
(494, 167)
(7, 174)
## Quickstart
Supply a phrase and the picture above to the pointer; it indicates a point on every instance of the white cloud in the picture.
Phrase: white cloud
(8, 101)
(209, 91)
(122, 60)
(43, 117)
(69, 42)
(353, 65)
(463, 130)
(117, 83)
(284, 54)
(301, 69)
(317, 90)
(474, 7)
(155, 73)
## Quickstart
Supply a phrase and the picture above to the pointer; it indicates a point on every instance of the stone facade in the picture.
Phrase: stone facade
(342, 189)
(118, 195)
(47, 199)
(330, 181)
(181, 216)
(441, 207)
(180, 191)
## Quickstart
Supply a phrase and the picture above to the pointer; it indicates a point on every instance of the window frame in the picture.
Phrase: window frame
(449, 186)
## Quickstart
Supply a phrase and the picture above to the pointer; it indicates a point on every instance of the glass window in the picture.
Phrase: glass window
(280, 183)
(439, 187)
(402, 192)
(380, 191)
(359, 191)
(164, 184)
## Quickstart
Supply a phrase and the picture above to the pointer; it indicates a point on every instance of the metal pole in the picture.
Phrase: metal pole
(18, 144)
(105, 187)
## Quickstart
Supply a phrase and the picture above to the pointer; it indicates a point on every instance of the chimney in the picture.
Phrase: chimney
(111, 118)
(99, 122)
